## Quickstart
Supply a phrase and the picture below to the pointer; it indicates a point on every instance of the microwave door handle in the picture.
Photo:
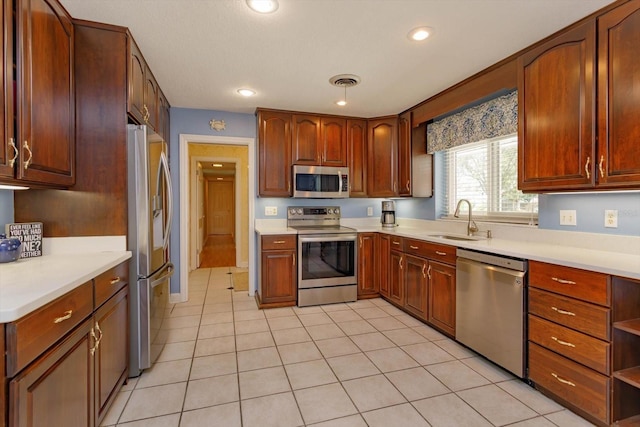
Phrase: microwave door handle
(167, 177)
(339, 182)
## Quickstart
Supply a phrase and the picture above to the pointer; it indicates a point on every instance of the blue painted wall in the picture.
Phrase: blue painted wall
(6, 208)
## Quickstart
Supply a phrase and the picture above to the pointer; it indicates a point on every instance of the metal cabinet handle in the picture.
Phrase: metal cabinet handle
(100, 337)
(400, 263)
(12, 143)
(554, 375)
(563, 281)
(600, 166)
(115, 280)
(67, 315)
(92, 350)
(293, 256)
(146, 114)
(413, 247)
(395, 187)
(560, 311)
(565, 343)
(424, 266)
(408, 185)
(278, 242)
(27, 162)
(441, 253)
(360, 242)
(429, 272)
(586, 167)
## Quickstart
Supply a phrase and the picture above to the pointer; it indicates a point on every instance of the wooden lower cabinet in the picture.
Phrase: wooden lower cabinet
(57, 389)
(396, 278)
(416, 286)
(368, 268)
(383, 257)
(278, 271)
(442, 296)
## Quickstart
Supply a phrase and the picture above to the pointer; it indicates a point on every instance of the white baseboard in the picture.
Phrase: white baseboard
(176, 298)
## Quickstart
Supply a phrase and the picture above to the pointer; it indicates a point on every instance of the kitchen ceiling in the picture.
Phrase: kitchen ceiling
(202, 51)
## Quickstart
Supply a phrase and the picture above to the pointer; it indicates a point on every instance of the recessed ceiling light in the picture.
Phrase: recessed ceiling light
(217, 165)
(341, 103)
(219, 179)
(420, 33)
(263, 6)
(246, 92)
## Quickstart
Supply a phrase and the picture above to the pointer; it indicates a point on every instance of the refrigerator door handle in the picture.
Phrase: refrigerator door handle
(169, 272)
(164, 170)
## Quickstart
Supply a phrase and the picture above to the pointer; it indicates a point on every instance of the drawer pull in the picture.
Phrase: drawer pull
(278, 242)
(565, 312)
(441, 253)
(563, 281)
(568, 344)
(67, 315)
(562, 381)
(395, 243)
(413, 247)
(115, 280)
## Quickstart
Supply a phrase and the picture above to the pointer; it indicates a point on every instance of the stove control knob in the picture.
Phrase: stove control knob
(337, 211)
(329, 211)
(299, 211)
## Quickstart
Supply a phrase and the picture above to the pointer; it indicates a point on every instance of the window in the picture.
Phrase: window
(486, 174)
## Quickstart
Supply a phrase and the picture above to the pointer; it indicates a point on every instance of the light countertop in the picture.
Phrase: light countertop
(30, 283)
(615, 255)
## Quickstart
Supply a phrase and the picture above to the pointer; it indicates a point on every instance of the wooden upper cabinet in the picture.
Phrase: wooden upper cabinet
(382, 157)
(163, 127)
(45, 135)
(306, 143)
(357, 155)
(404, 154)
(274, 153)
(7, 153)
(151, 101)
(618, 97)
(137, 68)
(319, 140)
(333, 134)
(556, 104)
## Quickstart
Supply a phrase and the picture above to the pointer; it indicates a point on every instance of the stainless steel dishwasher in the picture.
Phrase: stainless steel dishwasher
(490, 307)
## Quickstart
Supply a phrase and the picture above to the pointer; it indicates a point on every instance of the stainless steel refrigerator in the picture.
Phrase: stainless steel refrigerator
(150, 212)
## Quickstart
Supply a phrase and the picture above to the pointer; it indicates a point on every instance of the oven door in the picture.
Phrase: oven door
(326, 260)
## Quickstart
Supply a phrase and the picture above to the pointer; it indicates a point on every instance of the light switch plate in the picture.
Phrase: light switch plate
(611, 218)
(270, 210)
(369, 211)
(568, 217)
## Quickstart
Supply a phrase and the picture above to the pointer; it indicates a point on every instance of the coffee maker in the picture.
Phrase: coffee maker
(388, 218)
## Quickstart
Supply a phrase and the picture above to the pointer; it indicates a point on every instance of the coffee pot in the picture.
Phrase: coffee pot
(388, 218)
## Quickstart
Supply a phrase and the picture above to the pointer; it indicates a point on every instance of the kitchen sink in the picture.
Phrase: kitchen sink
(456, 237)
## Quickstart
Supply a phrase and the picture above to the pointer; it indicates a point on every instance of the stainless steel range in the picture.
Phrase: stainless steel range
(327, 254)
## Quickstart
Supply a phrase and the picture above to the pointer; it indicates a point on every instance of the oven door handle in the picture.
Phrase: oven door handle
(329, 238)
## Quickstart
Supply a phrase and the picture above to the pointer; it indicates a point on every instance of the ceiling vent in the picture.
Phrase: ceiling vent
(344, 80)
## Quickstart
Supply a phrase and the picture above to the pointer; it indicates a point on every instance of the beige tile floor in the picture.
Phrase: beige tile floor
(367, 363)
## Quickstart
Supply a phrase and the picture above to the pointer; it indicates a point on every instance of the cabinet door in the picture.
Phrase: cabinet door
(150, 106)
(442, 296)
(556, 104)
(57, 389)
(46, 112)
(357, 155)
(396, 277)
(334, 141)
(163, 117)
(382, 157)
(7, 151)
(137, 68)
(306, 142)
(278, 276)
(618, 110)
(111, 365)
(383, 256)
(404, 154)
(274, 154)
(415, 286)
(368, 277)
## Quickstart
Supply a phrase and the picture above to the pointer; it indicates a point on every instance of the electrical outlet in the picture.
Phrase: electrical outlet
(369, 211)
(568, 217)
(270, 210)
(611, 218)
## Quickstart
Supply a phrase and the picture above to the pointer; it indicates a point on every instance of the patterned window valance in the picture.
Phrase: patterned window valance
(490, 119)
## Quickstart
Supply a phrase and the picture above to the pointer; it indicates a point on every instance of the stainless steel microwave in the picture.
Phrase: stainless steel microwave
(320, 182)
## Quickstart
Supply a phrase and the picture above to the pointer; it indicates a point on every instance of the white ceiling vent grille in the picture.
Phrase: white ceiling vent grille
(344, 80)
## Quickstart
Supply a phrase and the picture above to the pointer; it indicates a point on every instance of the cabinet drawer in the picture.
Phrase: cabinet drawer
(396, 243)
(582, 284)
(582, 348)
(442, 253)
(110, 282)
(31, 335)
(581, 316)
(285, 241)
(577, 385)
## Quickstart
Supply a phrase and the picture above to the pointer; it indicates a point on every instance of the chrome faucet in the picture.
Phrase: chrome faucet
(471, 224)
